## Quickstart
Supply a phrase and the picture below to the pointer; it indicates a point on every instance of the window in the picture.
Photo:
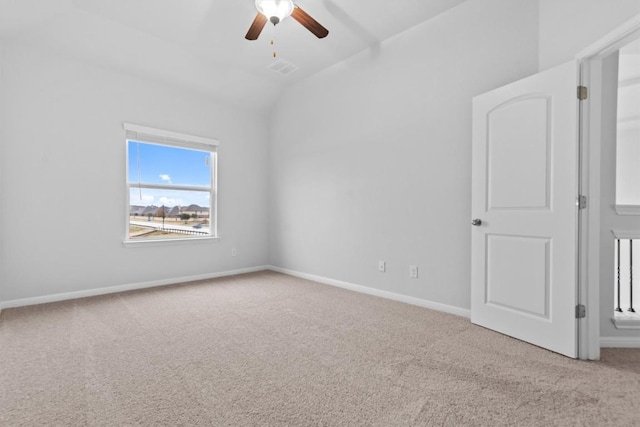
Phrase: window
(171, 185)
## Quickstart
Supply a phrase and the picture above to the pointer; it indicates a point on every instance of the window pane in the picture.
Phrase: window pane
(160, 214)
(160, 164)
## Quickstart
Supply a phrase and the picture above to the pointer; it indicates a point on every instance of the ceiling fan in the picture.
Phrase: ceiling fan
(275, 11)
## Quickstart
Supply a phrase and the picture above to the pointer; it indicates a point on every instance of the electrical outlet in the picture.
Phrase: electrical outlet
(413, 271)
(234, 252)
(382, 266)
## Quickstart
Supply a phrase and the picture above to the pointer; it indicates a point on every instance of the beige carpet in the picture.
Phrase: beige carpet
(266, 349)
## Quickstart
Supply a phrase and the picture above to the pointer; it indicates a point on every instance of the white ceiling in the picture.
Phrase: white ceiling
(200, 43)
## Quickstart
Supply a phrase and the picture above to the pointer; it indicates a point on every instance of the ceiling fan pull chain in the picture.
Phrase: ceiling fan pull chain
(273, 37)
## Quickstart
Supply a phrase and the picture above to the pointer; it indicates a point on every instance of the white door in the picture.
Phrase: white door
(525, 180)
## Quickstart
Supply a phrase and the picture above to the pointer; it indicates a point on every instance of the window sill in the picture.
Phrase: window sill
(627, 209)
(626, 320)
(169, 242)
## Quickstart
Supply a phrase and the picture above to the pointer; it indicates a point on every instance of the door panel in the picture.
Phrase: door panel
(518, 273)
(524, 252)
(518, 157)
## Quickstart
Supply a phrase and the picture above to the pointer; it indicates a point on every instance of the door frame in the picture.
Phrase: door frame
(590, 130)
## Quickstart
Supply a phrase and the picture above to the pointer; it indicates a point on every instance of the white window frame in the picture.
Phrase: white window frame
(167, 138)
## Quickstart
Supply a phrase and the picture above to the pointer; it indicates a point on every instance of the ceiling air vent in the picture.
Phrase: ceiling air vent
(282, 67)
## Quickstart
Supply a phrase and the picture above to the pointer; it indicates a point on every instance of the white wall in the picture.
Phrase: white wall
(628, 166)
(2, 180)
(371, 159)
(569, 26)
(628, 137)
(64, 155)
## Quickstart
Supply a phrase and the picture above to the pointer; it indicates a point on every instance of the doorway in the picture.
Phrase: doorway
(599, 127)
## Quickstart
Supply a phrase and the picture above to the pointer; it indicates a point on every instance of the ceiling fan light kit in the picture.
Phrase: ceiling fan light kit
(275, 11)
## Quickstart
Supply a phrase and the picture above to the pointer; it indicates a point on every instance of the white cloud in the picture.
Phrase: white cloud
(168, 198)
(165, 178)
(167, 201)
(135, 199)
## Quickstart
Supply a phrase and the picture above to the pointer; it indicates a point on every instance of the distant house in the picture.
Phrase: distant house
(136, 210)
(198, 210)
(174, 211)
(150, 210)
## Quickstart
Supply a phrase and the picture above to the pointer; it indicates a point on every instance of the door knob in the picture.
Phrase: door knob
(477, 222)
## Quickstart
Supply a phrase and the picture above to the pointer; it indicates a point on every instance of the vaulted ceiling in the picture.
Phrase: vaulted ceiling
(199, 44)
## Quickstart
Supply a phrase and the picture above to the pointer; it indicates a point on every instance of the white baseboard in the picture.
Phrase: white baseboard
(605, 342)
(123, 288)
(327, 281)
(377, 292)
(620, 342)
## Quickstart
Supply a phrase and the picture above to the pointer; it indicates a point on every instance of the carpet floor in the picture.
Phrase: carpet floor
(266, 349)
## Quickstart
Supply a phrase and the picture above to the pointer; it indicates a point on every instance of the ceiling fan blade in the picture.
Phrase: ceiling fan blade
(309, 23)
(256, 27)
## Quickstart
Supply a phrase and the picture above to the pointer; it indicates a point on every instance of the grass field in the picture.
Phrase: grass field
(141, 232)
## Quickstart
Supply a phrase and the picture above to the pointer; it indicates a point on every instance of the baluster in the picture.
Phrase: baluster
(631, 276)
(619, 255)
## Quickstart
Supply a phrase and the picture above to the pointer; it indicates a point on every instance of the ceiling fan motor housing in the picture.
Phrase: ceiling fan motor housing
(275, 10)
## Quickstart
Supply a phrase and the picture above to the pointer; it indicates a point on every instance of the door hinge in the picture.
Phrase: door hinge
(581, 311)
(583, 93)
(582, 202)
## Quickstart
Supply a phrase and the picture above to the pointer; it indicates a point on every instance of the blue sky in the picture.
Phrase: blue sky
(159, 164)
